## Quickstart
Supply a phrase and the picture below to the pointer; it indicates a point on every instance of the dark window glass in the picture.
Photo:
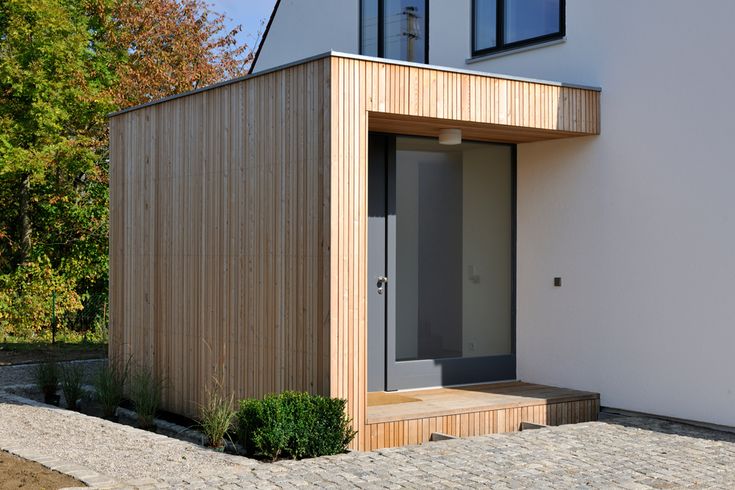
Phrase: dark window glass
(523, 22)
(394, 29)
(486, 32)
(527, 19)
(369, 40)
(404, 30)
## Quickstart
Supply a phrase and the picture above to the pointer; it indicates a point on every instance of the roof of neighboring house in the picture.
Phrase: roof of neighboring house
(265, 35)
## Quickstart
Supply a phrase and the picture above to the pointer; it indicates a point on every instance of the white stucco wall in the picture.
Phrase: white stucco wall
(304, 28)
(640, 221)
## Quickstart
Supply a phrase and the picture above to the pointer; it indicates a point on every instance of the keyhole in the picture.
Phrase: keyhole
(382, 280)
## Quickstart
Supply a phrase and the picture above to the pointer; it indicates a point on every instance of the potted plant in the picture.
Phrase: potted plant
(47, 380)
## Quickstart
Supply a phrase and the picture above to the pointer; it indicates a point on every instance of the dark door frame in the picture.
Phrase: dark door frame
(384, 372)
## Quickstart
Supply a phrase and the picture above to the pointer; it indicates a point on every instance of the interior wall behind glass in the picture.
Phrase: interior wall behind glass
(486, 251)
(428, 255)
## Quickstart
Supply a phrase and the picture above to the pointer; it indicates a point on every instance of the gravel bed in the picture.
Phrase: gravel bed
(121, 452)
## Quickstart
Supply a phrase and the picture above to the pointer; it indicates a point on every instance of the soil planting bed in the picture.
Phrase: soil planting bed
(20, 473)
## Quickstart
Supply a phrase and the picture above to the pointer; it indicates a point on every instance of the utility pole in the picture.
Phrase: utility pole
(412, 31)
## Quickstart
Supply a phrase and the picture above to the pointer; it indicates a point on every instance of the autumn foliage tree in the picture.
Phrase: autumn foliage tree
(171, 47)
(64, 65)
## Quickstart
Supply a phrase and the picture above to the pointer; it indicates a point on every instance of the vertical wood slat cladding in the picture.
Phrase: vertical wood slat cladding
(238, 217)
(219, 237)
(382, 435)
(420, 101)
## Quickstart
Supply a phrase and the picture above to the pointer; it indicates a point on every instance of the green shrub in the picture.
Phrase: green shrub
(109, 385)
(263, 427)
(26, 300)
(47, 379)
(72, 376)
(217, 415)
(297, 425)
(145, 392)
(333, 428)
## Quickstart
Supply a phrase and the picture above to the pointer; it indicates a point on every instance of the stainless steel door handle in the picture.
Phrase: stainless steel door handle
(382, 281)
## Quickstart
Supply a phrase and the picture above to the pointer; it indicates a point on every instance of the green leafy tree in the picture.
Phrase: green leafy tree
(54, 93)
(64, 65)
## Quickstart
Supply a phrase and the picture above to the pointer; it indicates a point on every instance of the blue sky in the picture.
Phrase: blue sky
(248, 13)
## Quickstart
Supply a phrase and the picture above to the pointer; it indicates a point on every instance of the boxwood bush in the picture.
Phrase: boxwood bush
(295, 425)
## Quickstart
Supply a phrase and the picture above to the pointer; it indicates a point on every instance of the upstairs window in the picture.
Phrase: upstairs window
(499, 25)
(395, 29)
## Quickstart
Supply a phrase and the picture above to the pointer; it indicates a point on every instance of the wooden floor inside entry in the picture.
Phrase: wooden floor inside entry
(410, 417)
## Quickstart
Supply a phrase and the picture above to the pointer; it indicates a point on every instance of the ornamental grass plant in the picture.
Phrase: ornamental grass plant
(109, 384)
(47, 380)
(217, 415)
(72, 377)
(145, 392)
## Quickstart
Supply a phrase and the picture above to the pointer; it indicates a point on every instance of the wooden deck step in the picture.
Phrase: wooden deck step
(410, 417)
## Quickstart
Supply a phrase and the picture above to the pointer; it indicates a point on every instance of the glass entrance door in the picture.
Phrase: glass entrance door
(441, 288)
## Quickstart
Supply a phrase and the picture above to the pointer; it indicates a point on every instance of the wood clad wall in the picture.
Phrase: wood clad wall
(364, 91)
(219, 240)
(417, 431)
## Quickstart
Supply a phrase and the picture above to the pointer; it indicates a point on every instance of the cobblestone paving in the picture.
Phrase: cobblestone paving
(617, 452)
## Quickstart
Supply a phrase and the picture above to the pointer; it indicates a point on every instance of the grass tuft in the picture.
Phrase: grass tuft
(217, 415)
(72, 376)
(109, 385)
(47, 379)
(145, 391)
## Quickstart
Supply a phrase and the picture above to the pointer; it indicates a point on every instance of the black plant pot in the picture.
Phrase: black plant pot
(51, 399)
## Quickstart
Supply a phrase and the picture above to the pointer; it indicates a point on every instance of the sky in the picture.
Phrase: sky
(248, 13)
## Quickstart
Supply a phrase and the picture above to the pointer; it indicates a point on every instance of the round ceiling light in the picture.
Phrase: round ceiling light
(451, 136)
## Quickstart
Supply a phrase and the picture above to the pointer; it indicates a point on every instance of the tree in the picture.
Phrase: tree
(64, 65)
(53, 80)
(172, 47)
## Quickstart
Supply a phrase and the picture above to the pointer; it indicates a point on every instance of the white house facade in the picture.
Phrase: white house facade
(637, 224)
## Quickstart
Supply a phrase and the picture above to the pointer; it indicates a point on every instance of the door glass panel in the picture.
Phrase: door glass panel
(453, 250)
